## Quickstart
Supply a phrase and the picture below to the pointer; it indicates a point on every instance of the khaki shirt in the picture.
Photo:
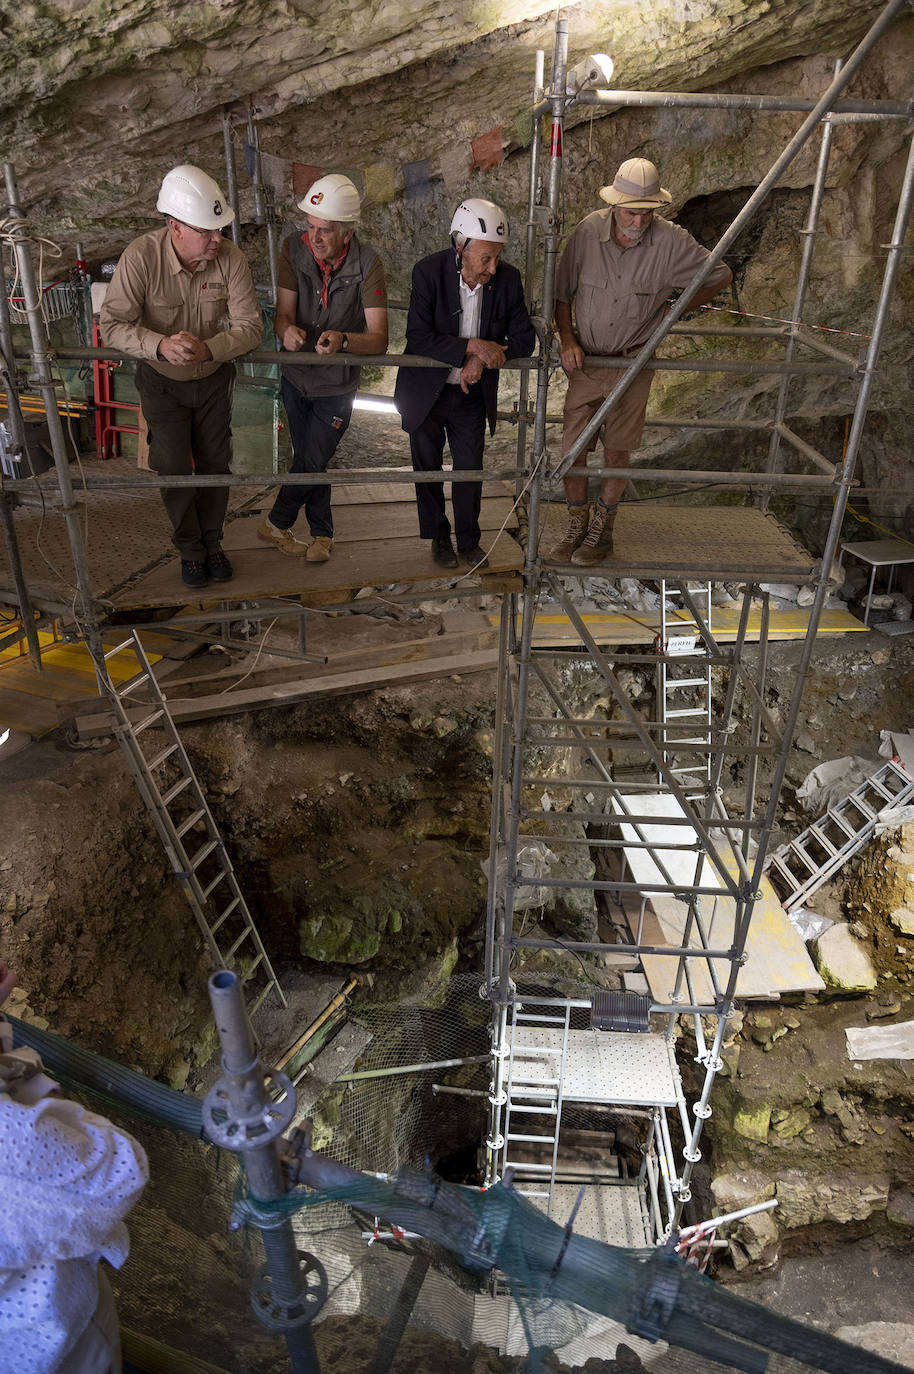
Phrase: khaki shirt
(153, 295)
(618, 293)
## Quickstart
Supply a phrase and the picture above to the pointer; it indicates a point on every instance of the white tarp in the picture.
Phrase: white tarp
(881, 1042)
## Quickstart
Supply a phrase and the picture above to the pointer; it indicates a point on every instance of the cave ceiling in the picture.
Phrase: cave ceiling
(98, 98)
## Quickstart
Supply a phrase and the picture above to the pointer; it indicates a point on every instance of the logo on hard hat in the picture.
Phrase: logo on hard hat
(217, 208)
(317, 198)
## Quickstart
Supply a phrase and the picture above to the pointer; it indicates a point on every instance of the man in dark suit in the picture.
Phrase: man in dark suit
(467, 309)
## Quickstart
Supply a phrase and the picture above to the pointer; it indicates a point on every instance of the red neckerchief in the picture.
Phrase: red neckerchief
(327, 268)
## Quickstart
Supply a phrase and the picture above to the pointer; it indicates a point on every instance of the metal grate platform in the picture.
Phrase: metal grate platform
(609, 1067)
(609, 1213)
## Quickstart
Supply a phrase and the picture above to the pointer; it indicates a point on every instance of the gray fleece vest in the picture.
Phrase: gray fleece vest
(343, 311)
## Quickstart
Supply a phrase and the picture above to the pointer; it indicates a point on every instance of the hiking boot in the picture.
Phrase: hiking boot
(443, 552)
(193, 572)
(284, 540)
(473, 558)
(218, 566)
(319, 549)
(599, 542)
(575, 534)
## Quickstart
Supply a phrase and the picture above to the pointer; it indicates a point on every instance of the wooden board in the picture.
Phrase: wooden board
(264, 571)
(291, 693)
(352, 524)
(777, 960)
(607, 627)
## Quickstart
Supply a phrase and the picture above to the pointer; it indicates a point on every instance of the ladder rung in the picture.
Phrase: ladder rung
(531, 1016)
(800, 853)
(132, 685)
(533, 1139)
(145, 723)
(530, 1192)
(238, 943)
(528, 1109)
(190, 822)
(203, 853)
(127, 644)
(156, 759)
(218, 879)
(529, 1168)
(823, 839)
(687, 682)
(220, 920)
(841, 822)
(169, 796)
(878, 787)
(683, 711)
(261, 997)
(535, 1049)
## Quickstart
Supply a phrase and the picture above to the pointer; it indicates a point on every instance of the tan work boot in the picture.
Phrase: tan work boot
(284, 540)
(575, 534)
(599, 542)
(319, 549)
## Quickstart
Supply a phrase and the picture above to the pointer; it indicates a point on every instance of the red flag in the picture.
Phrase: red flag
(304, 176)
(488, 150)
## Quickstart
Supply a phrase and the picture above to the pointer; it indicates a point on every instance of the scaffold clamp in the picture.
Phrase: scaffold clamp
(229, 1122)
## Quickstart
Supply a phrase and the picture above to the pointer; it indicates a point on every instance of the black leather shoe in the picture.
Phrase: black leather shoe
(193, 573)
(218, 566)
(443, 553)
(474, 558)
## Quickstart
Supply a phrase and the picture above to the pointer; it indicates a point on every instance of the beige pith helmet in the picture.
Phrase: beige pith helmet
(636, 186)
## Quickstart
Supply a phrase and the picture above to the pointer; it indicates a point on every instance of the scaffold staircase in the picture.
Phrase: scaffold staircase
(536, 1076)
(684, 691)
(184, 822)
(799, 868)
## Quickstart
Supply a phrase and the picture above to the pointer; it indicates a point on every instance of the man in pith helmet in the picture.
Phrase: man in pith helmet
(331, 299)
(466, 309)
(614, 277)
(182, 301)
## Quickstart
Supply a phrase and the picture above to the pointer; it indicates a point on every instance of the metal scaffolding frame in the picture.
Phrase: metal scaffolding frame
(729, 852)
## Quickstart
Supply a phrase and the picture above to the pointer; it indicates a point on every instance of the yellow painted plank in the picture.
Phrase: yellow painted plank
(617, 628)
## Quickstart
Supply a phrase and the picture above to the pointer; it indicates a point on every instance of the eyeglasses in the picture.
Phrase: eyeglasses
(204, 233)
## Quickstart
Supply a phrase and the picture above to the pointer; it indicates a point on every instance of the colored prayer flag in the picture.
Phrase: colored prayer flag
(416, 179)
(455, 162)
(520, 130)
(303, 176)
(488, 150)
(250, 157)
(275, 171)
(380, 184)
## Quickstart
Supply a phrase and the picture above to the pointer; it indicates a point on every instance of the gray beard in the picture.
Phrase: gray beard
(633, 235)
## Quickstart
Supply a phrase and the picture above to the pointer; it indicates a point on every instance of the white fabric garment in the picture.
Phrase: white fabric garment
(470, 315)
(67, 1180)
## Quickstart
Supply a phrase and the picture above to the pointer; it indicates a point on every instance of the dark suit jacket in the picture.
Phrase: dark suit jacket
(431, 330)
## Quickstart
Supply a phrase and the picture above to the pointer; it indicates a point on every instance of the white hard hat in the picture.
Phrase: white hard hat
(332, 197)
(194, 198)
(480, 219)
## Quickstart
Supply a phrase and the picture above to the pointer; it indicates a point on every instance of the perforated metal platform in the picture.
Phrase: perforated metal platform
(610, 1067)
(610, 1213)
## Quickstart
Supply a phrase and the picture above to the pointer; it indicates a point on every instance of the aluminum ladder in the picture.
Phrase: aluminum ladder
(175, 800)
(536, 1076)
(799, 868)
(684, 693)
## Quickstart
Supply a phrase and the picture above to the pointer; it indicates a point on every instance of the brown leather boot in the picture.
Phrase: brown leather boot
(599, 541)
(575, 534)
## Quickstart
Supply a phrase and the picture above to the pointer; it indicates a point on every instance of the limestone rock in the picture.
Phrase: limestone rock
(751, 1122)
(892, 1340)
(843, 962)
(735, 1191)
(837, 1197)
(902, 918)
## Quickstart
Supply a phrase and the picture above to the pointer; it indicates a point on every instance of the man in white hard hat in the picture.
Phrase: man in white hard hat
(614, 277)
(332, 299)
(466, 309)
(183, 302)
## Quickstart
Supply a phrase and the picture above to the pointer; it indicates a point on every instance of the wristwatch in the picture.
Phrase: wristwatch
(344, 343)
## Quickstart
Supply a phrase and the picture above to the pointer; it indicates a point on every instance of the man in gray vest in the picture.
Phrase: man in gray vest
(331, 298)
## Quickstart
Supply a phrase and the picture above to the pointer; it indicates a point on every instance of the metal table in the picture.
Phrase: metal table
(879, 553)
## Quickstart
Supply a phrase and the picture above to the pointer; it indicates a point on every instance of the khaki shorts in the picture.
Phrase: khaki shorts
(587, 389)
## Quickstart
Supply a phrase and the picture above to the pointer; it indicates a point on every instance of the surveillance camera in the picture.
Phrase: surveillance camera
(595, 70)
